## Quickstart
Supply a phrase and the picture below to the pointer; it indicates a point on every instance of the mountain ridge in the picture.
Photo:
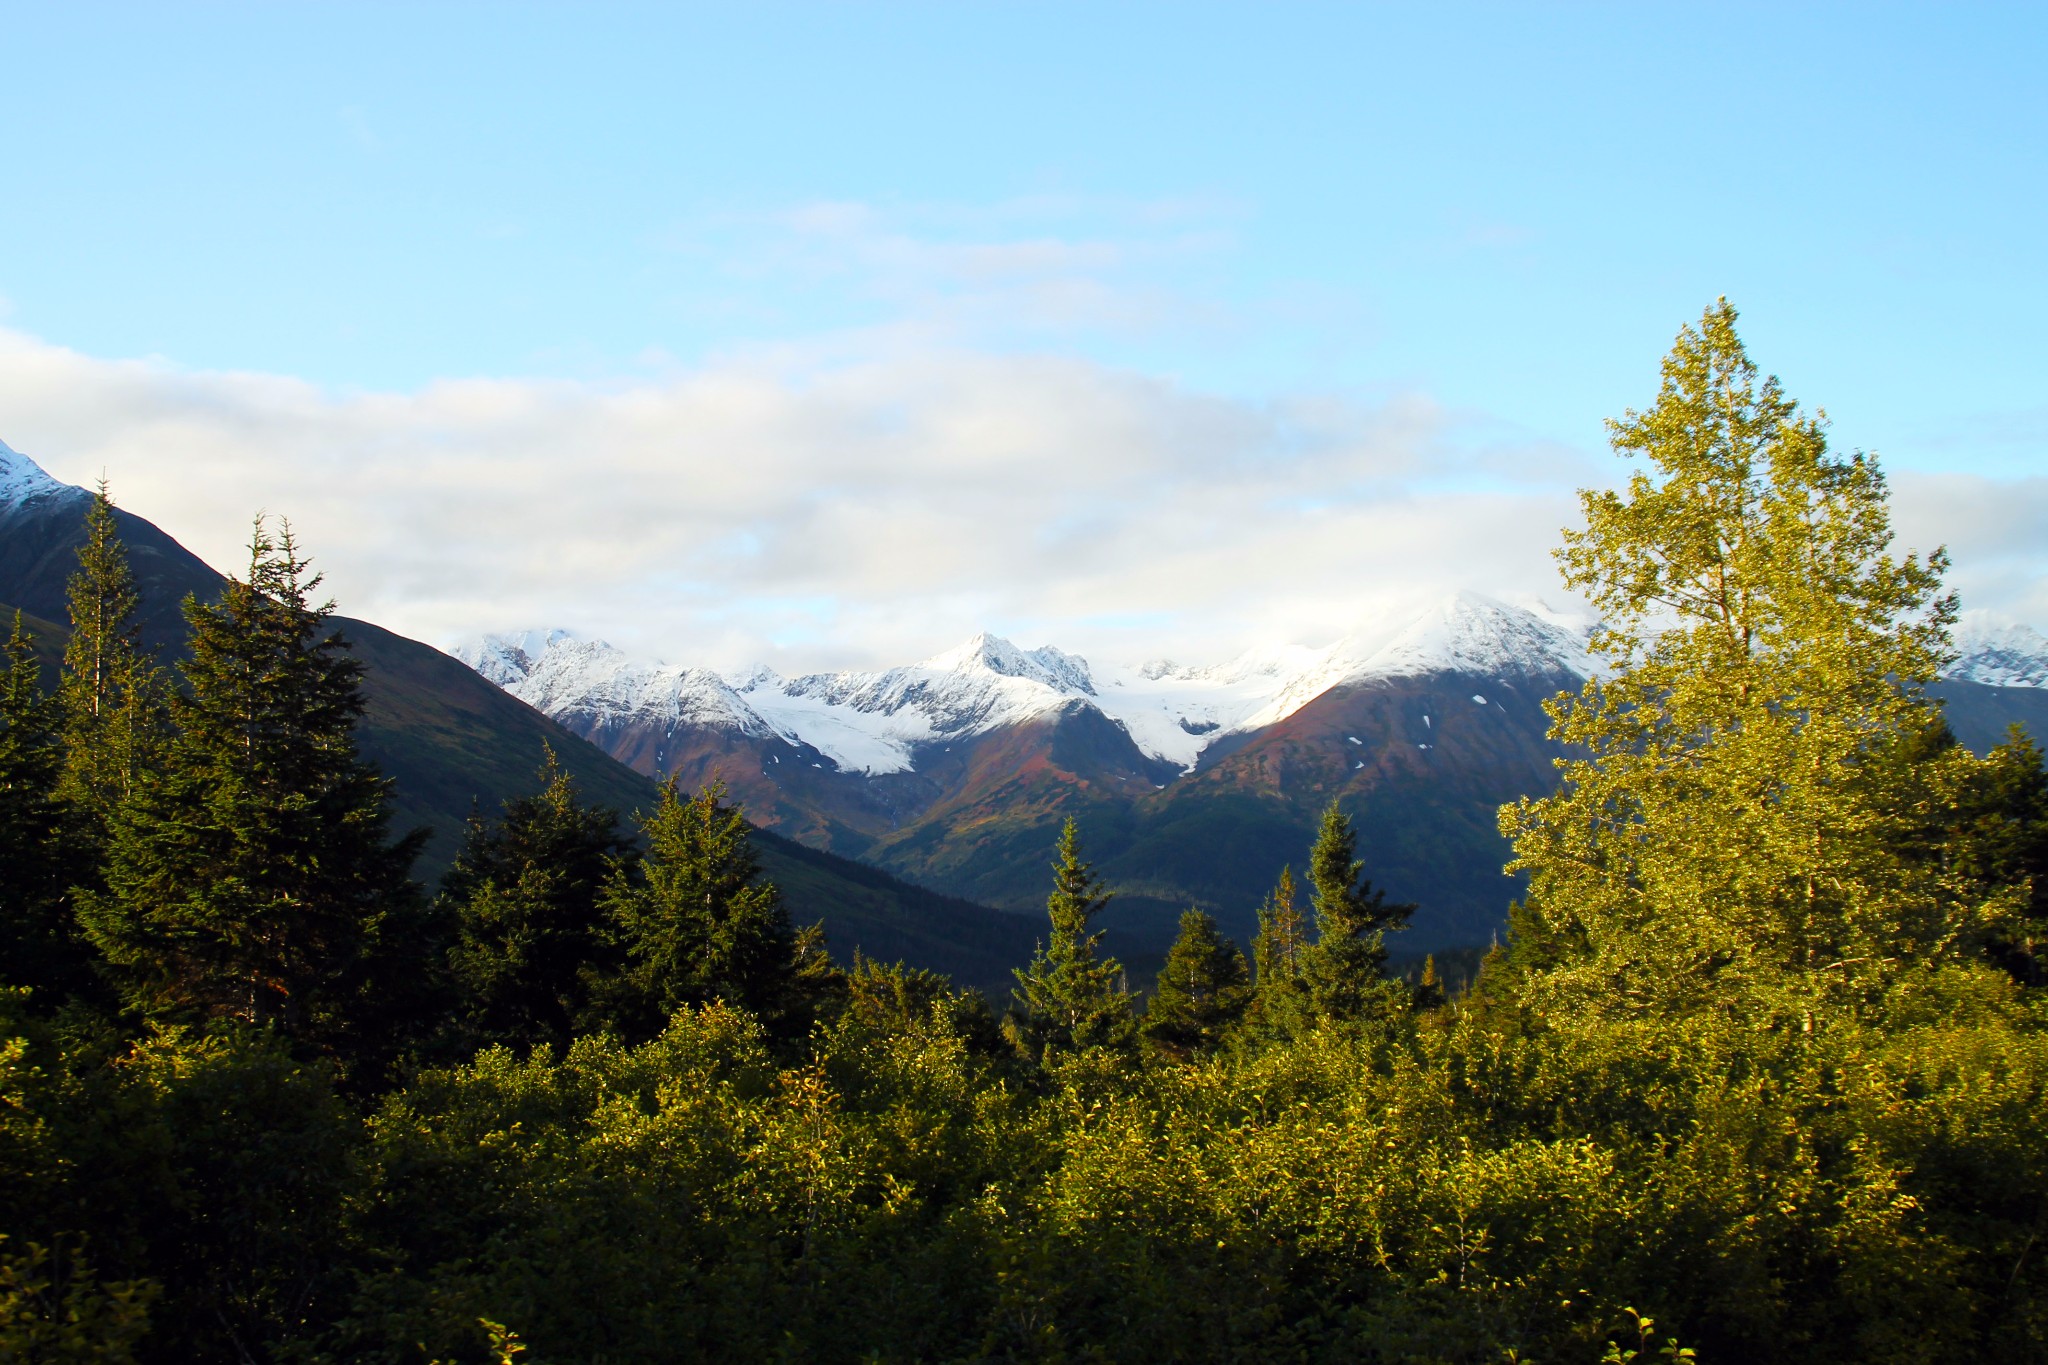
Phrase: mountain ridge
(1193, 784)
(453, 742)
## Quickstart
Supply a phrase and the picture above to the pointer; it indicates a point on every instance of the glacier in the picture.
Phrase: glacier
(877, 722)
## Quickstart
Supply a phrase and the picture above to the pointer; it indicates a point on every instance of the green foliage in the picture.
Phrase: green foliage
(1758, 1076)
(55, 1311)
(1344, 971)
(112, 694)
(1203, 989)
(1754, 774)
(252, 878)
(39, 943)
(1997, 835)
(1279, 1005)
(693, 922)
(1069, 998)
(207, 1173)
(523, 899)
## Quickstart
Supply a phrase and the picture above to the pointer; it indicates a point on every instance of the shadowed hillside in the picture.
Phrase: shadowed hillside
(455, 744)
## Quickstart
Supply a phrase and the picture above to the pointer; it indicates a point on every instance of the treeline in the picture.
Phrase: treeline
(1758, 1074)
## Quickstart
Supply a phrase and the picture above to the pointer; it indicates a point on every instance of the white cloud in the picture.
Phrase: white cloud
(1993, 530)
(876, 494)
(815, 513)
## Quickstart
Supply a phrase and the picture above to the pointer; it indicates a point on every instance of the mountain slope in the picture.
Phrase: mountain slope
(453, 742)
(1193, 785)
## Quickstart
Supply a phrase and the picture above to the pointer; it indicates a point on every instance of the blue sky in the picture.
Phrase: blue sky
(1316, 220)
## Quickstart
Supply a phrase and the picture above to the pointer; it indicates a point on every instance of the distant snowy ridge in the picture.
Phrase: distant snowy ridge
(22, 479)
(2000, 655)
(876, 722)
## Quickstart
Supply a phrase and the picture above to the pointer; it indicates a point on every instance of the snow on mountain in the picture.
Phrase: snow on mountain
(2000, 655)
(22, 479)
(507, 659)
(1470, 633)
(876, 722)
(564, 675)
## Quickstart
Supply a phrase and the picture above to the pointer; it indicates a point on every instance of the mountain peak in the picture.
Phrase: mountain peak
(1469, 632)
(22, 479)
(2000, 655)
(987, 653)
(508, 657)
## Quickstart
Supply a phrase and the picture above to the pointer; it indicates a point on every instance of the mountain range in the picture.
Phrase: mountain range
(1193, 785)
(453, 743)
(899, 806)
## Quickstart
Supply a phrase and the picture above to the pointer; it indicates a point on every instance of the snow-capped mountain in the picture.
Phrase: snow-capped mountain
(2000, 655)
(877, 723)
(22, 481)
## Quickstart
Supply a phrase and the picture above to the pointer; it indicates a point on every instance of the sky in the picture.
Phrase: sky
(827, 335)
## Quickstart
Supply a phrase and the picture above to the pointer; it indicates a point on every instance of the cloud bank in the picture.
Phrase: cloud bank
(841, 508)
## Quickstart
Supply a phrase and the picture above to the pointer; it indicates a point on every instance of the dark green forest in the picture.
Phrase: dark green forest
(1758, 1071)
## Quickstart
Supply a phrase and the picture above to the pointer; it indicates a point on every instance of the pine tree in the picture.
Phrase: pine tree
(696, 923)
(1203, 989)
(112, 694)
(1070, 999)
(39, 946)
(1344, 971)
(523, 899)
(254, 877)
(1739, 820)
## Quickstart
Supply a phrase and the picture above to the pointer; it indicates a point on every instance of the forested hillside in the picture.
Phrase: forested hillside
(1756, 1075)
(453, 745)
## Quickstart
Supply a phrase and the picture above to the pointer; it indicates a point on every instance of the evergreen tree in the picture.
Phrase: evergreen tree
(1203, 989)
(1429, 987)
(39, 945)
(1279, 1004)
(696, 923)
(1740, 820)
(1070, 998)
(1344, 971)
(1998, 836)
(254, 877)
(523, 898)
(112, 694)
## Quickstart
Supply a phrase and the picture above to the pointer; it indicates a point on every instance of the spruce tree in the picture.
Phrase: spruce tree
(1278, 1005)
(1344, 971)
(1071, 999)
(39, 945)
(1202, 991)
(523, 900)
(694, 922)
(254, 877)
(112, 694)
